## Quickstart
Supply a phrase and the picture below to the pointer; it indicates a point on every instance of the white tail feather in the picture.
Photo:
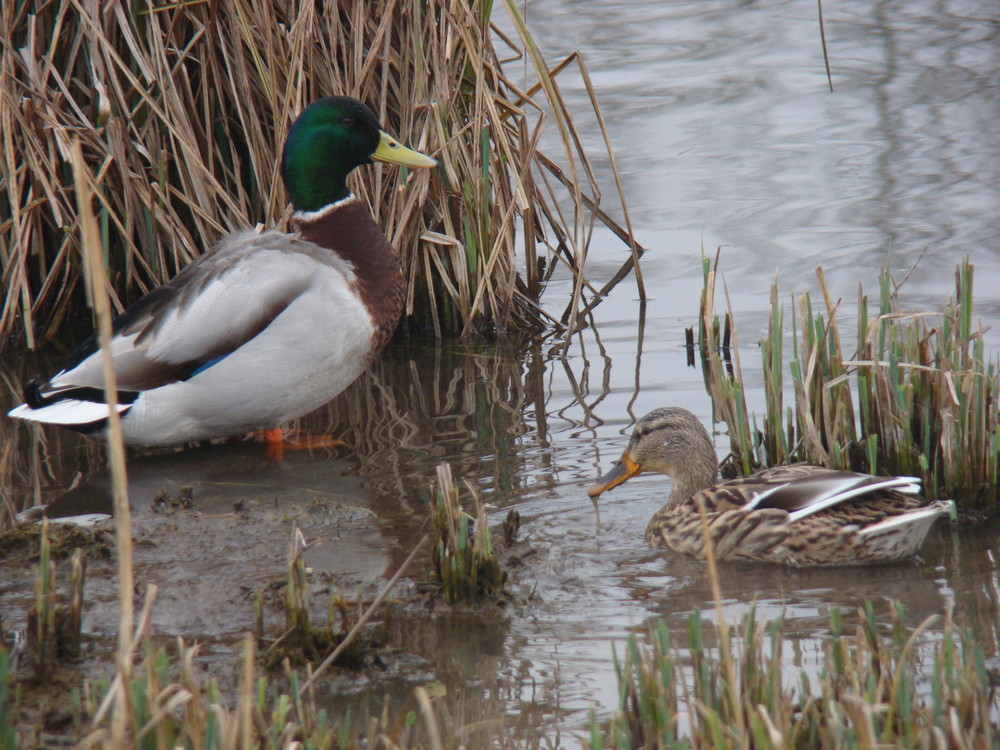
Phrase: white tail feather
(901, 536)
(67, 412)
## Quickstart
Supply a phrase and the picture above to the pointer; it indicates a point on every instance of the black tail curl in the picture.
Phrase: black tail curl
(33, 393)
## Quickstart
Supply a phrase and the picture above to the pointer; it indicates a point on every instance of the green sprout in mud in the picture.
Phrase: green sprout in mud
(302, 641)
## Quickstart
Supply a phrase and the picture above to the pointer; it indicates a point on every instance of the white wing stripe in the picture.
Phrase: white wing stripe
(901, 484)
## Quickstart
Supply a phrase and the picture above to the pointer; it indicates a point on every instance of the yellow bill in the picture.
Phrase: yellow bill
(392, 151)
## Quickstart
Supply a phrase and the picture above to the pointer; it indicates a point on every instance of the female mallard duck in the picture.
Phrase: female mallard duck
(266, 326)
(794, 515)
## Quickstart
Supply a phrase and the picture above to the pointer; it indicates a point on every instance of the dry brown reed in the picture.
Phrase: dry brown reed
(95, 276)
(182, 109)
(917, 396)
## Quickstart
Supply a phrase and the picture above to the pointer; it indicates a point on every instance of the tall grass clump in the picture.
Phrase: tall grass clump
(182, 109)
(873, 689)
(306, 642)
(916, 395)
(174, 707)
(465, 563)
(54, 628)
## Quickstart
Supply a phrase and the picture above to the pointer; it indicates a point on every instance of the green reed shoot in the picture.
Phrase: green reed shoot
(71, 634)
(54, 628)
(297, 596)
(464, 561)
(303, 641)
(8, 704)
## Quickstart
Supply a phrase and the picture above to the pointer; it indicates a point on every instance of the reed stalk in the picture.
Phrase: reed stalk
(732, 695)
(303, 641)
(366, 615)
(95, 275)
(71, 635)
(42, 618)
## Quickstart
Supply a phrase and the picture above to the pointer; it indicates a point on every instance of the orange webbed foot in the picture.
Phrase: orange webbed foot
(277, 442)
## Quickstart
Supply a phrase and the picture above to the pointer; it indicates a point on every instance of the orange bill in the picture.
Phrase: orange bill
(623, 469)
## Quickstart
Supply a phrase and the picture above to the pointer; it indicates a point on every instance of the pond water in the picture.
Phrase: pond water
(726, 135)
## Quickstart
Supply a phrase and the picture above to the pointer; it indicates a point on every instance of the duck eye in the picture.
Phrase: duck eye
(347, 121)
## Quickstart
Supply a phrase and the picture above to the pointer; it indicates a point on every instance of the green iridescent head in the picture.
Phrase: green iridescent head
(330, 138)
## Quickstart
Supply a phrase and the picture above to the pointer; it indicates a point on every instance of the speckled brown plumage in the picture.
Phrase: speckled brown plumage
(777, 515)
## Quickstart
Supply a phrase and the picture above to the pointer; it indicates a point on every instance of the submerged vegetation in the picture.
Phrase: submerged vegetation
(918, 395)
(181, 110)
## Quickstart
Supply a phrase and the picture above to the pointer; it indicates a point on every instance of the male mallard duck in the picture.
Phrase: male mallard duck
(794, 515)
(266, 326)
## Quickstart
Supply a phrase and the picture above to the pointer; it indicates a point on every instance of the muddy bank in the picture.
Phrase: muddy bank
(212, 526)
